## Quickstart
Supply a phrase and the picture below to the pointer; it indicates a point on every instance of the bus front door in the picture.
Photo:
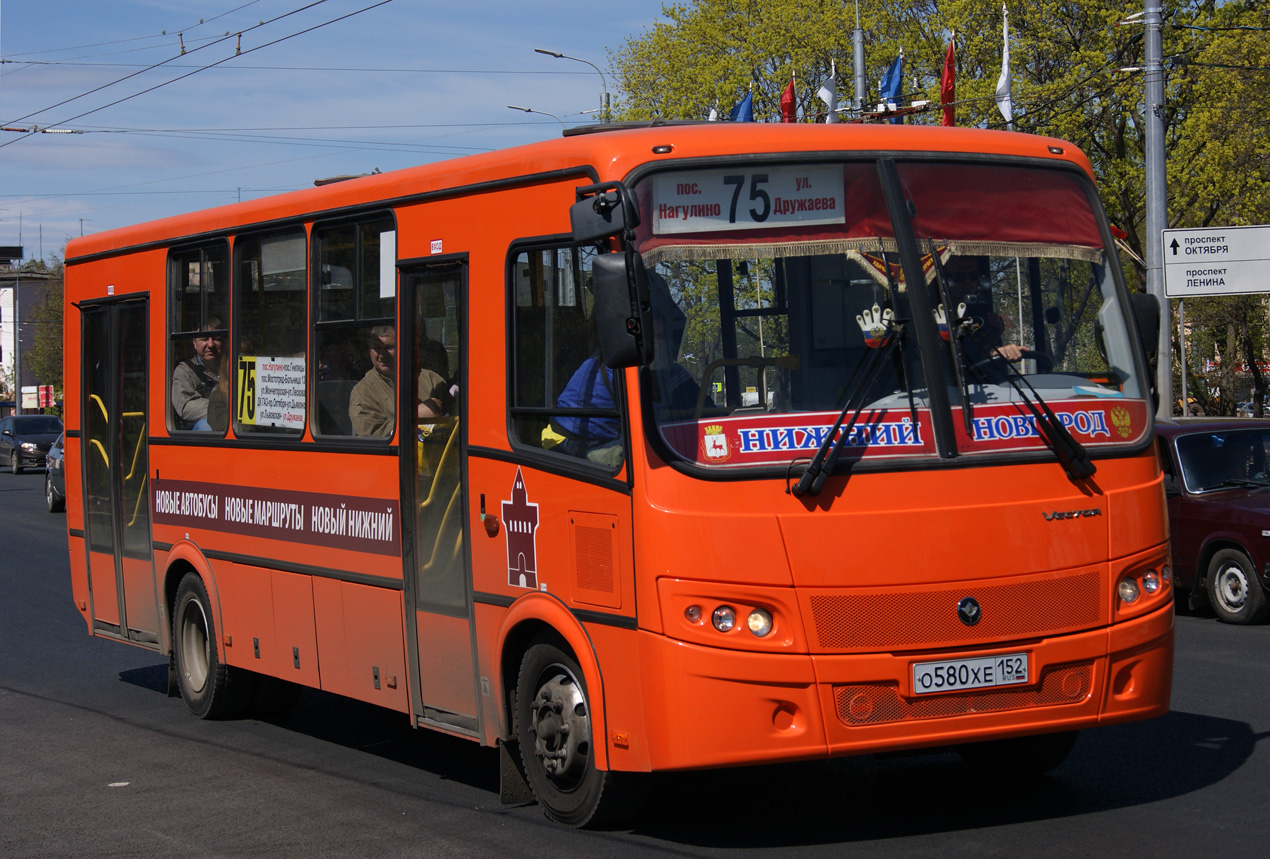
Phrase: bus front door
(438, 589)
(115, 465)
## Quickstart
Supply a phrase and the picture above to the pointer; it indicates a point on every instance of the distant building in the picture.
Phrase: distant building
(21, 291)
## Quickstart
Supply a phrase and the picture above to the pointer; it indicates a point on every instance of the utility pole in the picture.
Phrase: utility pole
(1157, 196)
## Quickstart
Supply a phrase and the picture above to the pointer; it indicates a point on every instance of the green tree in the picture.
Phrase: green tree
(44, 356)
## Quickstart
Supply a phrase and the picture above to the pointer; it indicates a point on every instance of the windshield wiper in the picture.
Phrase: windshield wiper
(822, 464)
(957, 326)
(1247, 481)
(1071, 453)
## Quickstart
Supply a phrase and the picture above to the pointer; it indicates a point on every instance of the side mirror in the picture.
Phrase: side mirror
(623, 309)
(1146, 316)
(609, 211)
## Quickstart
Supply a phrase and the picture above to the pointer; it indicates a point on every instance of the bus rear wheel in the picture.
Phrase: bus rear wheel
(210, 689)
(1019, 757)
(554, 731)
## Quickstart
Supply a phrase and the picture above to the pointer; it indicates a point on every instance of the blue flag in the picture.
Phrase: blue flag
(744, 112)
(893, 83)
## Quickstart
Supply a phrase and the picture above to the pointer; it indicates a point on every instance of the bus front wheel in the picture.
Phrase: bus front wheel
(211, 689)
(553, 727)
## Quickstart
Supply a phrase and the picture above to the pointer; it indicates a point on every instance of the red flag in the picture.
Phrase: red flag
(948, 88)
(789, 113)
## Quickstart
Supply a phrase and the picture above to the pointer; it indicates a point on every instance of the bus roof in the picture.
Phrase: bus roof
(611, 153)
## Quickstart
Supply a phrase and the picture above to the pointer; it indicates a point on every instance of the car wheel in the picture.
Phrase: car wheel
(1234, 591)
(13, 462)
(1019, 757)
(211, 689)
(554, 730)
(56, 503)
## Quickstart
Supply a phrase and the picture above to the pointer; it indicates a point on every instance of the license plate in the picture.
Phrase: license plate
(981, 672)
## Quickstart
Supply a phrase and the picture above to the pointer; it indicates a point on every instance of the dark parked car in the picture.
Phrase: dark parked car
(25, 439)
(1217, 479)
(55, 476)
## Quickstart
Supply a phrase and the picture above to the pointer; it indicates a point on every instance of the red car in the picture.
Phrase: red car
(1217, 480)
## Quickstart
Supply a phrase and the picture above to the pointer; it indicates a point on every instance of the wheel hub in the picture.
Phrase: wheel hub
(1232, 587)
(562, 729)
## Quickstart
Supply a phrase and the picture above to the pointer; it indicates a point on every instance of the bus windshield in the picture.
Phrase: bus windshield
(781, 303)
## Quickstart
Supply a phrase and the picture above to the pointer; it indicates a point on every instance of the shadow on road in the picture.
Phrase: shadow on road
(848, 799)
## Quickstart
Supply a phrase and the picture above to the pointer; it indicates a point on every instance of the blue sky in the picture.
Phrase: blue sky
(408, 82)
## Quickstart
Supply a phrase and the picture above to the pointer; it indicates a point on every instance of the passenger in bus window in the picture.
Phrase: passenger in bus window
(372, 406)
(194, 379)
(436, 391)
(596, 438)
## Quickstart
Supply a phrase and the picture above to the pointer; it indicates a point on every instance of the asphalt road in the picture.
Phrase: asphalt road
(96, 760)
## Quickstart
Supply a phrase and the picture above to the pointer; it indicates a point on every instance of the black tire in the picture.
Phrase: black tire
(211, 689)
(553, 727)
(13, 462)
(1019, 757)
(1234, 591)
(56, 503)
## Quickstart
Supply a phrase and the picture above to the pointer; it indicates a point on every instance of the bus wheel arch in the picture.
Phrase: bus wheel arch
(553, 701)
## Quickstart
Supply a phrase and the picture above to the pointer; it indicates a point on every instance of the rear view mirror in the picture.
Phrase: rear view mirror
(610, 211)
(1146, 314)
(1146, 317)
(623, 310)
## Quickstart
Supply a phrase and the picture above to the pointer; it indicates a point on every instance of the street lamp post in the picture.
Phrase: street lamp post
(605, 116)
(542, 112)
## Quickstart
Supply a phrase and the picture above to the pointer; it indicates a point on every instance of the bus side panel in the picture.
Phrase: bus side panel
(374, 639)
(1139, 510)
(79, 578)
(246, 600)
(328, 617)
(294, 630)
(628, 740)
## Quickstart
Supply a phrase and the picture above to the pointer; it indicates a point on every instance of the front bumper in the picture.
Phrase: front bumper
(708, 707)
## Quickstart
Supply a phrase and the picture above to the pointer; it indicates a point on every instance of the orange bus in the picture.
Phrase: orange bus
(719, 445)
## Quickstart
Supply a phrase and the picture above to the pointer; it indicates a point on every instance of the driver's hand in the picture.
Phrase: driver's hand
(1010, 352)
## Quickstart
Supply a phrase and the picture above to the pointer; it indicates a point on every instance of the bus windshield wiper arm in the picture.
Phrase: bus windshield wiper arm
(954, 324)
(822, 464)
(1071, 453)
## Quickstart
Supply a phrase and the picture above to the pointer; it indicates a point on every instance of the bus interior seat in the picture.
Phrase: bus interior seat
(333, 396)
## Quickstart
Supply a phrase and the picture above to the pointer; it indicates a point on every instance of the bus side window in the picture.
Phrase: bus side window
(198, 290)
(271, 306)
(355, 328)
(564, 399)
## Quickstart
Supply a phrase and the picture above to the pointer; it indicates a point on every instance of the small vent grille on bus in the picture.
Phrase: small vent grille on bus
(878, 703)
(595, 558)
(894, 620)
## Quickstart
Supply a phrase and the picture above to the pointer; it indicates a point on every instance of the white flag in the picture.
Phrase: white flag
(1004, 103)
(828, 93)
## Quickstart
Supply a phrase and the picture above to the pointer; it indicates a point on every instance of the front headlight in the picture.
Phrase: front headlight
(30, 446)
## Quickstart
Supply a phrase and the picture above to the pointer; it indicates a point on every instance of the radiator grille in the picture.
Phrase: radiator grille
(883, 620)
(879, 703)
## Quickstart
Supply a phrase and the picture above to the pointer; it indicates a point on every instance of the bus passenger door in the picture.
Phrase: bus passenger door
(435, 547)
(115, 465)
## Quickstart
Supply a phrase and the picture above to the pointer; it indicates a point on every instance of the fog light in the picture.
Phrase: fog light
(693, 614)
(1150, 581)
(1128, 589)
(724, 618)
(1166, 574)
(760, 622)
